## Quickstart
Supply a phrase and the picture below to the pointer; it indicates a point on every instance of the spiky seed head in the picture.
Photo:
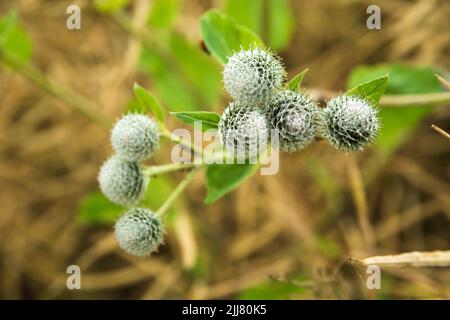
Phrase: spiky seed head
(252, 76)
(350, 122)
(135, 137)
(243, 130)
(121, 181)
(294, 116)
(139, 232)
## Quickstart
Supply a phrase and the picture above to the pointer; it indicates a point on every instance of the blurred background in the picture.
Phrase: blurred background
(285, 236)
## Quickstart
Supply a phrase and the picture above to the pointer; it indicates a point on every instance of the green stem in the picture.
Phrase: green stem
(78, 102)
(178, 190)
(167, 168)
(394, 100)
(404, 100)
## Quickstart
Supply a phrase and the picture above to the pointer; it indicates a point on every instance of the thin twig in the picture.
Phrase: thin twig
(414, 259)
(175, 193)
(404, 100)
(443, 81)
(440, 131)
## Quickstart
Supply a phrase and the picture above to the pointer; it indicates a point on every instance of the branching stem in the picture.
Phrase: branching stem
(167, 168)
(177, 192)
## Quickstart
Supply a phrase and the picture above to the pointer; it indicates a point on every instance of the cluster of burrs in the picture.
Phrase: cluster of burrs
(263, 109)
(134, 138)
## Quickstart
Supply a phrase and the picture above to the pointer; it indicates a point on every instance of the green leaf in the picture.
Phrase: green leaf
(210, 120)
(296, 81)
(148, 102)
(281, 24)
(223, 178)
(184, 77)
(272, 20)
(167, 82)
(223, 35)
(159, 188)
(110, 6)
(163, 13)
(95, 209)
(249, 13)
(203, 73)
(13, 38)
(371, 90)
(398, 123)
(274, 290)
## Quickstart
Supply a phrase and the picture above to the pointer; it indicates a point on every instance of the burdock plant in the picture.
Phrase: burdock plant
(264, 107)
(261, 106)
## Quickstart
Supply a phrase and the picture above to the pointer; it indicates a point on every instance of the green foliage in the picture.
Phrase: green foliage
(159, 188)
(13, 38)
(328, 247)
(398, 123)
(371, 90)
(185, 77)
(223, 178)
(168, 85)
(272, 20)
(328, 184)
(387, 283)
(148, 102)
(163, 13)
(96, 209)
(109, 6)
(223, 36)
(322, 177)
(296, 81)
(249, 13)
(281, 24)
(272, 290)
(210, 120)
(200, 69)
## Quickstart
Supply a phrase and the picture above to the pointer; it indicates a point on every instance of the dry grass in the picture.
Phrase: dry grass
(272, 227)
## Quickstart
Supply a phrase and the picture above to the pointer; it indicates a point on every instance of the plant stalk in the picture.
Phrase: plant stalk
(167, 168)
(177, 192)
